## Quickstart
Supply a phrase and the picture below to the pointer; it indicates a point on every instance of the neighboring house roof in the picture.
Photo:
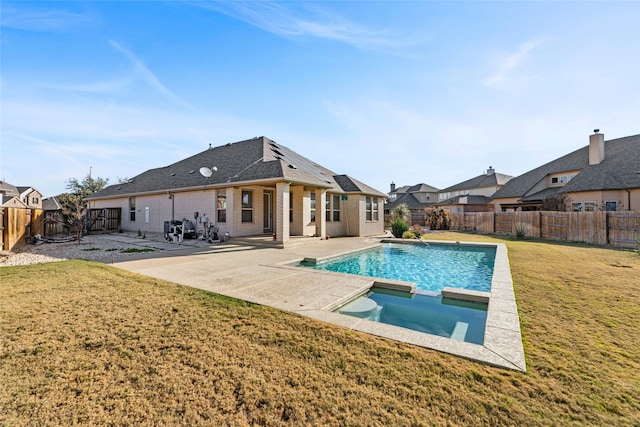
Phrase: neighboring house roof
(256, 159)
(406, 198)
(418, 188)
(51, 204)
(8, 189)
(489, 179)
(468, 200)
(618, 170)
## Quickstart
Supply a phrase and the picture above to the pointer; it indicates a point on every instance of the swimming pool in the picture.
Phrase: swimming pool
(430, 266)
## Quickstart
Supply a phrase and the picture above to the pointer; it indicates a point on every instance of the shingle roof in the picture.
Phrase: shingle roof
(618, 170)
(256, 159)
(481, 181)
(8, 189)
(408, 199)
(417, 188)
(470, 200)
(51, 204)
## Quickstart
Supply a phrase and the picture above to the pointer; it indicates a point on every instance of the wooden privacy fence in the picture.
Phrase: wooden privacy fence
(599, 228)
(19, 225)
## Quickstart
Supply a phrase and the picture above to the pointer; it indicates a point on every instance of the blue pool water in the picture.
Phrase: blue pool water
(459, 320)
(431, 267)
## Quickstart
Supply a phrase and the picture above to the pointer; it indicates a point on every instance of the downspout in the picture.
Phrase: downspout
(628, 199)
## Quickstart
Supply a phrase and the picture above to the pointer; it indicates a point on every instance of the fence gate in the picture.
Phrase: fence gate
(105, 220)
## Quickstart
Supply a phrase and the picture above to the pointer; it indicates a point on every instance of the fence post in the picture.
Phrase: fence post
(606, 228)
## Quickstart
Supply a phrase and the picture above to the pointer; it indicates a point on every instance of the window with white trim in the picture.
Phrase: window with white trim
(371, 208)
(332, 206)
(247, 206)
(312, 196)
(221, 206)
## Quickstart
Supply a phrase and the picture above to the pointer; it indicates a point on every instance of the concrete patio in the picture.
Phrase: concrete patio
(253, 271)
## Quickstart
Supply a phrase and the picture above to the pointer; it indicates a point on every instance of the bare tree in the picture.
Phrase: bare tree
(74, 206)
(558, 203)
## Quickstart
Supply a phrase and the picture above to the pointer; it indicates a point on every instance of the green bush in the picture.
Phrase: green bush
(398, 227)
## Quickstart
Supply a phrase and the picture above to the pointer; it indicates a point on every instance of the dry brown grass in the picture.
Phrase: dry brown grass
(84, 343)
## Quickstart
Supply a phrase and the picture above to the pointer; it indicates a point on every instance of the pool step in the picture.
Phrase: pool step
(460, 331)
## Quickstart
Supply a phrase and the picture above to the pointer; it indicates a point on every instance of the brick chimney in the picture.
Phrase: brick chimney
(490, 171)
(393, 187)
(596, 147)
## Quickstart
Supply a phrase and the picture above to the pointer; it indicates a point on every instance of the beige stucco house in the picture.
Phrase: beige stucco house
(247, 188)
(604, 175)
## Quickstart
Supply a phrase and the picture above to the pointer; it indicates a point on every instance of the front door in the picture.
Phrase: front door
(267, 212)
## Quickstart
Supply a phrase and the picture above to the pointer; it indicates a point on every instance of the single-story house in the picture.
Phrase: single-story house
(473, 195)
(604, 175)
(246, 188)
(416, 197)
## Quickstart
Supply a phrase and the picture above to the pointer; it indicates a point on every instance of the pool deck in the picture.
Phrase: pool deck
(264, 275)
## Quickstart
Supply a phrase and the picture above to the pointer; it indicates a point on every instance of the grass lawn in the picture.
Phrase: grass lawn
(86, 343)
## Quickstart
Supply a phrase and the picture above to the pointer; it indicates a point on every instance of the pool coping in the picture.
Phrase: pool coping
(502, 345)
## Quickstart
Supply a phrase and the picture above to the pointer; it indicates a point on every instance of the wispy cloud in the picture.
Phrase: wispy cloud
(147, 75)
(302, 20)
(42, 20)
(508, 65)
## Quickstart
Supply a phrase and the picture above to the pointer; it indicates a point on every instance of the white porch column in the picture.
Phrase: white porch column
(282, 211)
(321, 209)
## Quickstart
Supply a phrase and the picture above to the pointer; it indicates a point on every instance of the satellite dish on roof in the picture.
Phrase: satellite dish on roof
(206, 172)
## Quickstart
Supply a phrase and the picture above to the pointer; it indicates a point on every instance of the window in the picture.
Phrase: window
(132, 209)
(563, 179)
(576, 207)
(332, 208)
(371, 208)
(34, 201)
(291, 207)
(221, 206)
(589, 206)
(313, 206)
(375, 209)
(247, 206)
(393, 197)
(610, 206)
(554, 180)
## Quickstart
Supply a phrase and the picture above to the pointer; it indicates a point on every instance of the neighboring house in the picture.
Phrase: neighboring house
(54, 220)
(21, 216)
(7, 193)
(30, 197)
(473, 195)
(416, 197)
(251, 187)
(605, 175)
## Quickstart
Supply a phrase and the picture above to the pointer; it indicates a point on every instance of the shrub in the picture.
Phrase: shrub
(521, 231)
(408, 235)
(398, 227)
(437, 218)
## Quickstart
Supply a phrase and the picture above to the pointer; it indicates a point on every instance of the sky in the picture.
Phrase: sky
(403, 92)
